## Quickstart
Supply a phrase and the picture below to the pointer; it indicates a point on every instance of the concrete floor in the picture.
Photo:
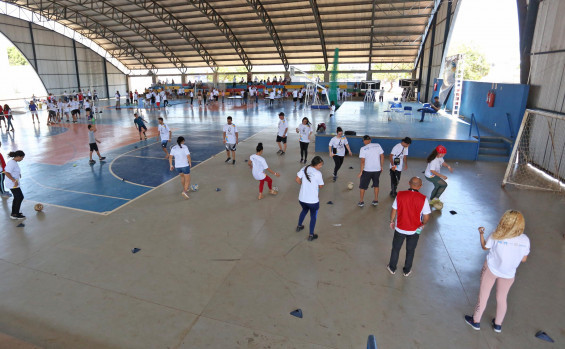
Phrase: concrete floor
(223, 270)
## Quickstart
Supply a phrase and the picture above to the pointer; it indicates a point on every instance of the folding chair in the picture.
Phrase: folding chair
(408, 112)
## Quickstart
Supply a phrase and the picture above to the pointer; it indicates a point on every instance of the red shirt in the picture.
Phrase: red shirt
(409, 206)
(2, 162)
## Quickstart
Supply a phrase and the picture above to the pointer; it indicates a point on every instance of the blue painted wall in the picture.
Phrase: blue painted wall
(510, 98)
(420, 148)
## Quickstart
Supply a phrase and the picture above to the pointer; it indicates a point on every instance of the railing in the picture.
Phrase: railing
(474, 122)
(510, 125)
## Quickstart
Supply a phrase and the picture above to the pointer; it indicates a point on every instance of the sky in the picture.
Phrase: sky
(492, 25)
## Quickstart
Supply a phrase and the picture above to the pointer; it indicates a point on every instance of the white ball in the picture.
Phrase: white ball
(350, 185)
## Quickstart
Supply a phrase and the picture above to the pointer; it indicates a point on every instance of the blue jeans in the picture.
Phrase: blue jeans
(439, 186)
(313, 208)
(427, 110)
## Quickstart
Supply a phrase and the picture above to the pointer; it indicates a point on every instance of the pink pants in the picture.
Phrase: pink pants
(262, 183)
(502, 287)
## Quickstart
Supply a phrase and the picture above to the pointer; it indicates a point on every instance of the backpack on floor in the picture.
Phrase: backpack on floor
(321, 128)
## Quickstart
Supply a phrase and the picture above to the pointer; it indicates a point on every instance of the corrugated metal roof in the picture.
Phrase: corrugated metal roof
(155, 34)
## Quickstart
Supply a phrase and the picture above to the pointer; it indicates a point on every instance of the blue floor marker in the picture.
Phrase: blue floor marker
(544, 336)
(218, 189)
(330, 203)
(297, 313)
(135, 250)
(21, 225)
(371, 342)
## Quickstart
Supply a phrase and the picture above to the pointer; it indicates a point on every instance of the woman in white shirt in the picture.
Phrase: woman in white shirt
(258, 166)
(304, 130)
(310, 180)
(337, 150)
(507, 247)
(435, 162)
(12, 177)
(183, 163)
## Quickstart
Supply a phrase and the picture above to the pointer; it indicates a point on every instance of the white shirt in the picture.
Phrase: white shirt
(304, 131)
(74, 105)
(434, 165)
(309, 189)
(272, 95)
(372, 155)
(400, 152)
(294, 94)
(425, 210)
(282, 127)
(86, 104)
(180, 155)
(505, 255)
(157, 98)
(339, 143)
(51, 106)
(381, 92)
(332, 110)
(164, 132)
(230, 131)
(13, 169)
(259, 166)
(117, 95)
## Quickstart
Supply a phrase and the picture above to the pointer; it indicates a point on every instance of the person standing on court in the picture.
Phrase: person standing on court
(381, 94)
(183, 163)
(231, 139)
(281, 134)
(435, 162)
(410, 213)
(337, 150)
(304, 130)
(372, 161)
(508, 247)
(258, 166)
(13, 174)
(310, 180)
(92, 140)
(398, 162)
(165, 133)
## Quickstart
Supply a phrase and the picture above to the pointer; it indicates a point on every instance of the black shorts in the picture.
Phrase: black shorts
(366, 179)
(142, 127)
(295, 98)
(93, 146)
(75, 112)
(281, 139)
(52, 113)
(87, 109)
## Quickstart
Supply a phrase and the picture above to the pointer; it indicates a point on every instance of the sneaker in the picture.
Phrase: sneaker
(228, 160)
(471, 322)
(14, 216)
(20, 216)
(360, 204)
(301, 160)
(92, 162)
(375, 203)
(334, 178)
(391, 194)
(185, 195)
(312, 237)
(233, 162)
(280, 151)
(7, 195)
(299, 228)
(390, 270)
(408, 273)
(103, 158)
(496, 328)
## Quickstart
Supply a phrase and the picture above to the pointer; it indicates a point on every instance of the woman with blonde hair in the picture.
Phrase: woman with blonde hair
(507, 246)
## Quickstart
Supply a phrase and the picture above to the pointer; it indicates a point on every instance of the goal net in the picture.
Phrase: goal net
(538, 157)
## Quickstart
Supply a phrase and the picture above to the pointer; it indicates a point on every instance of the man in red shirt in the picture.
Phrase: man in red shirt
(410, 212)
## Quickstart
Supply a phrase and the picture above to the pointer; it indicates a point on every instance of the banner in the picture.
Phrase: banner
(449, 71)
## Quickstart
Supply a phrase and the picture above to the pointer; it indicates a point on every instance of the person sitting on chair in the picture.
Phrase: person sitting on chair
(433, 108)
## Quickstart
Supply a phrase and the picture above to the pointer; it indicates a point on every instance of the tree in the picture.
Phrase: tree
(15, 57)
(475, 65)
(226, 74)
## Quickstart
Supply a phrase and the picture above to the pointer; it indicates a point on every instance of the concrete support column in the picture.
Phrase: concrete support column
(215, 78)
(153, 78)
(369, 75)
(326, 76)
(183, 79)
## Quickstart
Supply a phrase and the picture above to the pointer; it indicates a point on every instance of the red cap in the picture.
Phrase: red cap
(441, 149)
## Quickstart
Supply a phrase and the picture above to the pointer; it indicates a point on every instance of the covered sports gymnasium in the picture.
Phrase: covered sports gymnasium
(118, 258)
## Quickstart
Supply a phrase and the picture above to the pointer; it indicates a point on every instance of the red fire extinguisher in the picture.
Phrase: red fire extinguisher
(490, 98)
(435, 86)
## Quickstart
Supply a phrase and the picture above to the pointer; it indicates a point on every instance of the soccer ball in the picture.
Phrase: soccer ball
(38, 207)
(194, 187)
(350, 185)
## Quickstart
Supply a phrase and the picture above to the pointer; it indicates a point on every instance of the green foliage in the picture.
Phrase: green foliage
(15, 57)
(393, 76)
(475, 65)
(226, 74)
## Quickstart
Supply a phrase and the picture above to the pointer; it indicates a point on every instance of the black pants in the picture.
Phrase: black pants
(17, 200)
(411, 243)
(191, 100)
(394, 179)
(338, 161)
(2, 190)
(304, 150)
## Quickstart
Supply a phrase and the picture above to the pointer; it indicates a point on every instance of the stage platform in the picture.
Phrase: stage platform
(387, 128)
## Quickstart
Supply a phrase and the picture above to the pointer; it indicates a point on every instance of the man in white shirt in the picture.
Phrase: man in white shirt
(281, 134)
(271, 97)
(231, 139)
(165, 133)
(372, 160)
(381, 94)
(398, 162)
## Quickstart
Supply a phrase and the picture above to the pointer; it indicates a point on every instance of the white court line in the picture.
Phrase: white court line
(146, 157)
(124, 154)
(69, 208)
(79, 192)
(162, 184)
